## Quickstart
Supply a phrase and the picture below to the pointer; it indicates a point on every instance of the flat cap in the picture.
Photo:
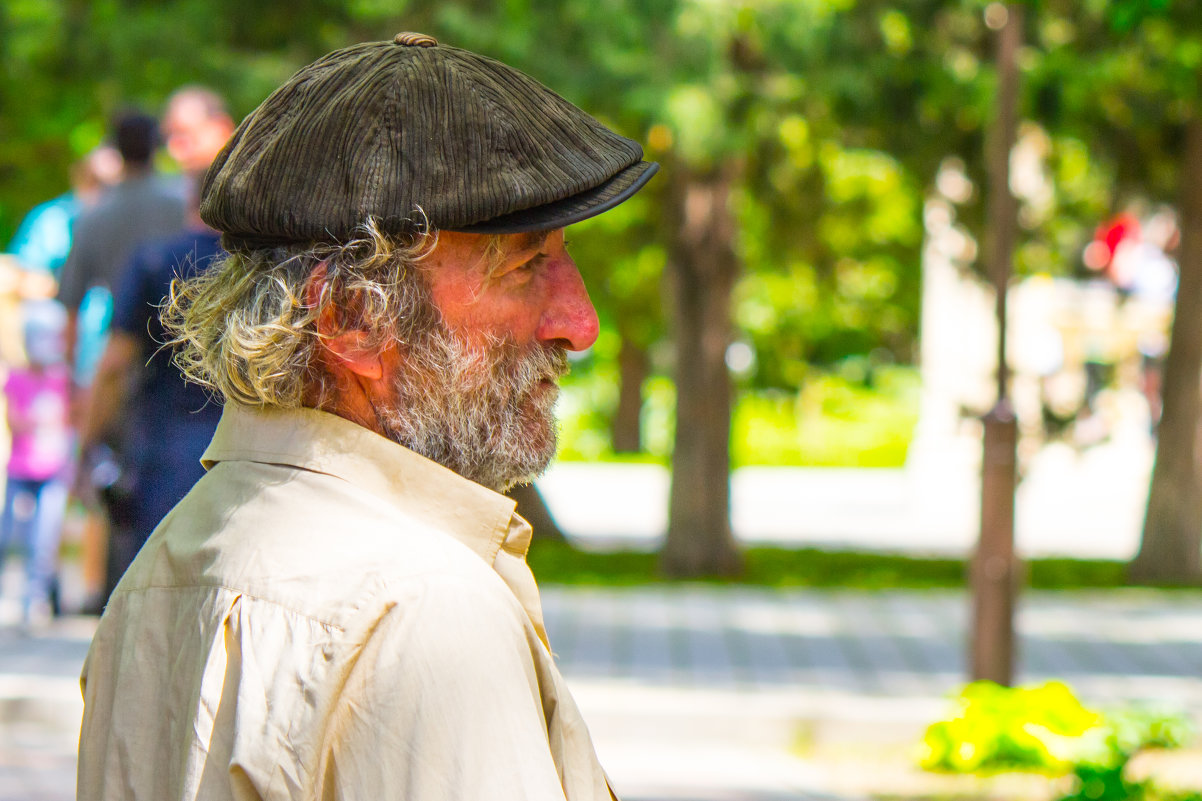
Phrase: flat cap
(411, 133)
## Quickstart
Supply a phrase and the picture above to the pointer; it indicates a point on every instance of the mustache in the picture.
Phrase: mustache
(523, 369)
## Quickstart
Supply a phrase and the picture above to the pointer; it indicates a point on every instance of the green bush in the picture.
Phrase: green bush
(1046, 729)
(1005, 729)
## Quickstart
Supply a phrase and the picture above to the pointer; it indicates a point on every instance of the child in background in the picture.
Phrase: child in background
(35, 492)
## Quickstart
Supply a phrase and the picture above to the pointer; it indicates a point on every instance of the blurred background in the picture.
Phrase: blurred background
(769, 557)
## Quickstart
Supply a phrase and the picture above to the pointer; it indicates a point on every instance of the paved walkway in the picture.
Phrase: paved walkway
(728, 695)
(750, 691)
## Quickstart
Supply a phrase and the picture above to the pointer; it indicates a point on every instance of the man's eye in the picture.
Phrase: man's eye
(521, 269)
(538, 259)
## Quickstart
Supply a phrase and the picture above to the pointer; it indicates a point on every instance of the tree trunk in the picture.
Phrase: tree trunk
(1171, 550)
(633, 366)
(994, 567)
(703, 267)
(534, 509)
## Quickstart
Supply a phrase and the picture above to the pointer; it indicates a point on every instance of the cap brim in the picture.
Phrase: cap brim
(562, 213)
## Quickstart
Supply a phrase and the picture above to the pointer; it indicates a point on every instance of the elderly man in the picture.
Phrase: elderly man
(341, 607)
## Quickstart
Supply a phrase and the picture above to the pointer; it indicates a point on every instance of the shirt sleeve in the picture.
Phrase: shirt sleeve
(444, 704)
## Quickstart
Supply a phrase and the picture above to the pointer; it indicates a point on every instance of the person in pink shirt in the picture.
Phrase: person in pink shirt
(35, 489)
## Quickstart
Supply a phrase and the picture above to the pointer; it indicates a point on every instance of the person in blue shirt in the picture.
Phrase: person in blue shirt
(158, 423)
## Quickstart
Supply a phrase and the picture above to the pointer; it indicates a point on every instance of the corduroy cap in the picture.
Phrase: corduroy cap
(412, 133)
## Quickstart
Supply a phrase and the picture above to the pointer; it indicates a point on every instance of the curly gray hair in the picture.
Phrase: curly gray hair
(245, 329)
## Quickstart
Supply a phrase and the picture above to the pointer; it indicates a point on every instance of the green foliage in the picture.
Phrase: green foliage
(1000, 729)
(861, 417)
(587, 402)
(561, 563)
(833, 422)
(1122, 77)
(1126, 14)
(1046, 729)
(1099, 771)
(846, 283)
(816, 568)
(623, 262)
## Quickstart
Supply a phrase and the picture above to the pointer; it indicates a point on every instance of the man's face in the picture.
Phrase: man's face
(477, 394)
(529, 290)
(194, 135)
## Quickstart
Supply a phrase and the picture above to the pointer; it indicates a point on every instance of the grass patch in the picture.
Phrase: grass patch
(561, 563)
(1050, 574)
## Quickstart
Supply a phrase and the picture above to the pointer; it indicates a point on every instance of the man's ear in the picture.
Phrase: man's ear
(343, 348)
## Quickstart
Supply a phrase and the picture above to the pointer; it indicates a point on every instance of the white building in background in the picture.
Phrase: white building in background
(1083, 359)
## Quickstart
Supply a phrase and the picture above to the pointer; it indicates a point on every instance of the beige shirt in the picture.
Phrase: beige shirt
(328, 615)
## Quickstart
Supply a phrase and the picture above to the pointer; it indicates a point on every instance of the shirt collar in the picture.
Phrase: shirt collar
(325, 443)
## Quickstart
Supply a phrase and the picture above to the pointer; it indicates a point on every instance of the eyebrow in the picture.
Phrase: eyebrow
(526, 243)
(531, 240)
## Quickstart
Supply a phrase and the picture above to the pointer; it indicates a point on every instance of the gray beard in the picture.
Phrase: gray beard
(484, 411)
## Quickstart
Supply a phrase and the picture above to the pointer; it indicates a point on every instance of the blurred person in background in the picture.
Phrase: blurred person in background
(43, 239)
(31, 268)
(341, 606)
(196, 125)
(157, 422)
(35, 493)
(142, 206)
(38, 249)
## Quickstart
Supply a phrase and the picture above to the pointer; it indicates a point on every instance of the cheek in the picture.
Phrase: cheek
(456, 300)
(502, 319)
(517, 320)
(496, 311)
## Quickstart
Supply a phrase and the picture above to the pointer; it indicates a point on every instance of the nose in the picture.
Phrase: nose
(569, 317)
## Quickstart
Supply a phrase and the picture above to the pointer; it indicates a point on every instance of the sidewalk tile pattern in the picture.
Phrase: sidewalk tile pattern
(1113, 647)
